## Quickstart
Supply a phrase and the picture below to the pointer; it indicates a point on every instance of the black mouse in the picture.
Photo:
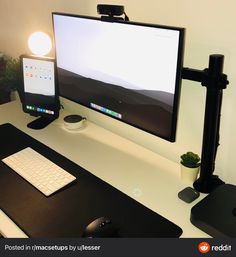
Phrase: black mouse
(101, 227)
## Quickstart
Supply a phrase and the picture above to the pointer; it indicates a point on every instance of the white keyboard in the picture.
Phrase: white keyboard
(42, 173)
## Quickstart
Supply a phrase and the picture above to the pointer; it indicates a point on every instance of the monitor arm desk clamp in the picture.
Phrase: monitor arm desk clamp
(215, 81)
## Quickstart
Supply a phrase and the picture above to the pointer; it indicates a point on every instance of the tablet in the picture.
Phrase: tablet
(40, 89)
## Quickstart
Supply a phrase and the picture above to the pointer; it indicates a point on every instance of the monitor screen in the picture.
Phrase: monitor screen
(40, 97)
(129, 71)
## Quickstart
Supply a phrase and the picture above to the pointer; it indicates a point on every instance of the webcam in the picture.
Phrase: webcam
(111, 12)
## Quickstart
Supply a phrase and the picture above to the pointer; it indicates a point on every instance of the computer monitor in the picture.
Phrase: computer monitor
(40, 92)
(129, 71)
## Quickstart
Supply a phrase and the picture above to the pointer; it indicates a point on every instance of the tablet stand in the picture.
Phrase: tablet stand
(40, 123)
(215, 81)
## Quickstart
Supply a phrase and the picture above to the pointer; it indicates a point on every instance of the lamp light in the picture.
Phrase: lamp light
(40, 43)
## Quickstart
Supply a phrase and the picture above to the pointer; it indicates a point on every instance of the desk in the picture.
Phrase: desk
(141, 174)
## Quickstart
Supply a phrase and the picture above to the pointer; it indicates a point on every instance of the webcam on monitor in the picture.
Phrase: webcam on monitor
(40, 96)
(111, 12)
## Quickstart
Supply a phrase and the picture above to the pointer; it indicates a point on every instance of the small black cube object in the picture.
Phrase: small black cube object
(188, 194)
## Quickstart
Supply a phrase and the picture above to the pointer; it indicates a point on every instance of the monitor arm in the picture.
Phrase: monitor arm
(215, 81)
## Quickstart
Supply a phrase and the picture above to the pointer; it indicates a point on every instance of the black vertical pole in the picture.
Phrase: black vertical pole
(207, 181)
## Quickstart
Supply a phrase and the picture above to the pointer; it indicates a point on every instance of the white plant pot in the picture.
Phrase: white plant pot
(189, 175)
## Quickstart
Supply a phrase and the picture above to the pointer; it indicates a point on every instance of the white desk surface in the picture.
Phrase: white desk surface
(145, 176)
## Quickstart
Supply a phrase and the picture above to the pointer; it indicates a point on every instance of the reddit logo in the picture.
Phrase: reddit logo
(204, 247)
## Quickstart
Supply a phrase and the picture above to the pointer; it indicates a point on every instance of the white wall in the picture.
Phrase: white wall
(210, 28)
(19, 18)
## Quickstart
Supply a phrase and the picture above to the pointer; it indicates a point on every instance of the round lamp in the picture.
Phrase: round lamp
(40, 43)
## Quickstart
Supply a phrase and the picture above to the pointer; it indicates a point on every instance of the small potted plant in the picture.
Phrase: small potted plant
(190, 164)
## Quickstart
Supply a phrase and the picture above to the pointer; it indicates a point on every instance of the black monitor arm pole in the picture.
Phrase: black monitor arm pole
(215, 81)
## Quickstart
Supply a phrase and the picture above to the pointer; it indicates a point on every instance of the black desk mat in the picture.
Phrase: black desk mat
(69, 211)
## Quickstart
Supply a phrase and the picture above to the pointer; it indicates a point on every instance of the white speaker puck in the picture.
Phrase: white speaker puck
(73, 122)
